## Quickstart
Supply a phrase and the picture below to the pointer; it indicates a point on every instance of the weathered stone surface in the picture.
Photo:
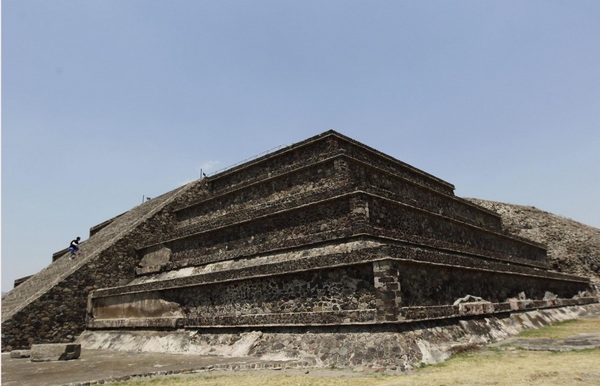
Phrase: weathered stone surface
(326, 232)
(469, 299)
(573, 247)
(155, 258)
(20, 353)
(55, 352)
(398, 346)
(145, 305)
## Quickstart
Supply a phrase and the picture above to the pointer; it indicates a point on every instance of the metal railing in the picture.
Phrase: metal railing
(272, 150)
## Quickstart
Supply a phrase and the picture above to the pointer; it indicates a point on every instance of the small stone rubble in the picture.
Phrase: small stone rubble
(20, 353)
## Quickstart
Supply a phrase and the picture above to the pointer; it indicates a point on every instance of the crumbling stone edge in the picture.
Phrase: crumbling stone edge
(428, 346)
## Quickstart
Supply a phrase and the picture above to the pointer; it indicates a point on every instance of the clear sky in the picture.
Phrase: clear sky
(107, 101)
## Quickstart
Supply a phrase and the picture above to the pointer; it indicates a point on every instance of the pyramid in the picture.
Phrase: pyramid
(325, 235)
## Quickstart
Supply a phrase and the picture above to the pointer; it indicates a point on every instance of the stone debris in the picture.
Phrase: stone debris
(582, 294)
(20, 353)
(522, 296)
(55, 352)
(470, 299)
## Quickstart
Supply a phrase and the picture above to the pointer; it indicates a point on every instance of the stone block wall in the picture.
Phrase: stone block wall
(56, 316)
(364, 286)
(341, 289)
(422, 285)
(317, 222)
(301, 186)
(378, 182)
(392, 347)
(399, 347)
(393, 166)
(346, 288)
(402, 222)
(323, 147)
(310, 205)
(268, 167)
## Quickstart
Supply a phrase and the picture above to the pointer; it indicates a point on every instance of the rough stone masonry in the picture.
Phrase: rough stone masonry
(325, 238)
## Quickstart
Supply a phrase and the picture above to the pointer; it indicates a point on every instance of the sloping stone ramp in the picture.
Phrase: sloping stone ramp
(62, 270)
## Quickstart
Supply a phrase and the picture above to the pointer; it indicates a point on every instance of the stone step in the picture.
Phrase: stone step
(322, 176)
(200, 244)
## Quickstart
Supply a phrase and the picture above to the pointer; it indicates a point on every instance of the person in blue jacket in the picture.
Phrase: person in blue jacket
(74, 247)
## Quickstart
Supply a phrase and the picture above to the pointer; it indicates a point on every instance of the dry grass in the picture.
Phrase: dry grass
(512, 368)
(507, 366)
(565, 329)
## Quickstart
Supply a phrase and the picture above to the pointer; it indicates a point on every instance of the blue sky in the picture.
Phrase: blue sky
(104, 101)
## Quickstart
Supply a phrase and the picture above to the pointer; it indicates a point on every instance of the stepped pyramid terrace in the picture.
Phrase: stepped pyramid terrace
(326, 243)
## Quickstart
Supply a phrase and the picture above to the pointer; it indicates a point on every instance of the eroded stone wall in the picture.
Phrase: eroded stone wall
(432, 286)
(345, 288)
(404, 223)
(395, 347)
(318, 222)
(311, 183)
(378, 182)
(387, 289)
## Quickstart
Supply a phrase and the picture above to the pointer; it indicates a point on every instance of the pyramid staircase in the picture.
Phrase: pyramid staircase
(62, 270)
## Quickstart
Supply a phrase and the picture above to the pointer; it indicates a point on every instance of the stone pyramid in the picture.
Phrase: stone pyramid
(325, 234)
